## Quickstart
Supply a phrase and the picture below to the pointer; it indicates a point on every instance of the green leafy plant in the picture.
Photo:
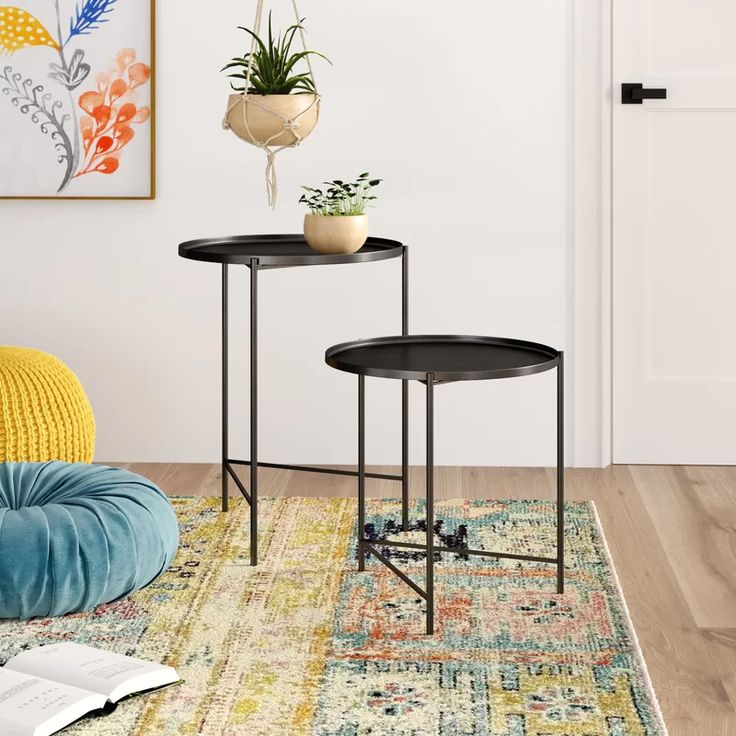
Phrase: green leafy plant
(273, 64)
(341, 198)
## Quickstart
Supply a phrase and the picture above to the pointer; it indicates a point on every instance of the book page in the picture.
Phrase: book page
(112, 675)
(33, 706)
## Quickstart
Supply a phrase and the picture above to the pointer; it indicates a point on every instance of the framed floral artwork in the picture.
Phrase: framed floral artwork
(77, 99)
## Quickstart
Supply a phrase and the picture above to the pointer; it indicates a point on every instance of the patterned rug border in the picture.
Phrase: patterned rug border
(629, 620)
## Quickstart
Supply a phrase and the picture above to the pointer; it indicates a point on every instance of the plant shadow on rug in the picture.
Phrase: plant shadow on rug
(304, 645)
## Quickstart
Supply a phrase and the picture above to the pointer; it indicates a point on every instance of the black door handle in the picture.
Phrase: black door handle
(634, 94)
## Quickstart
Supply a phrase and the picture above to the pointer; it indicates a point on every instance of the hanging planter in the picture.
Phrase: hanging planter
(276, 105)
(273, 120)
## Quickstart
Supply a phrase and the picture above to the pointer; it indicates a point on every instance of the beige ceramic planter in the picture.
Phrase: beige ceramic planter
(265, 117)
(336, 234)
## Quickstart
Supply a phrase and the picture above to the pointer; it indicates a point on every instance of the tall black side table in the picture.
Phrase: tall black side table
(258, 253)
(433, 360)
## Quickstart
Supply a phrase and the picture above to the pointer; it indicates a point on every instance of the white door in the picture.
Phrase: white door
(674, 233)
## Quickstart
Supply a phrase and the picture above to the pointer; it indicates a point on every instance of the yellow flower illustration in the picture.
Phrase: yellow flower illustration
(19, 28)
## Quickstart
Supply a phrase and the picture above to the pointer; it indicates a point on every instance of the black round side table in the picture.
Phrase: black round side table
(258, 253)
(433, 360)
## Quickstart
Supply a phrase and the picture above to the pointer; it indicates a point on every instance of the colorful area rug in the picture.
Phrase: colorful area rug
(303, 645)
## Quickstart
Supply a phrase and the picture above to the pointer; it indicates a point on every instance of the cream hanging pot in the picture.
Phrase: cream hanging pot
(273, 122)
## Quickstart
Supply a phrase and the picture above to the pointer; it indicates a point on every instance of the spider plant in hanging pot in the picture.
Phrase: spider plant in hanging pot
(276, 105)
(336, 222)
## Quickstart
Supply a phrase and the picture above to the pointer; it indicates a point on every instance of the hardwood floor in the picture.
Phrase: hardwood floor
(672, 534)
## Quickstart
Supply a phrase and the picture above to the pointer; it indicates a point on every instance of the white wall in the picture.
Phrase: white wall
(464, 111)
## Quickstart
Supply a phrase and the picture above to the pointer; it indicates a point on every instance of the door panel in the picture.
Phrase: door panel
(674, 234)
(690, 37)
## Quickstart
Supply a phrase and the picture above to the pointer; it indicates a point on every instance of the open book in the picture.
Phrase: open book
(47, 688)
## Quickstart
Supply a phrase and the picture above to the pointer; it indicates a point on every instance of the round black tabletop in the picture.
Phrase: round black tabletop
(447, 357)
(282, 250)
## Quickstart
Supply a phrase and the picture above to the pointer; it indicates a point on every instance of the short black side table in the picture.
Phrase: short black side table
(433, 360)
(258, 253)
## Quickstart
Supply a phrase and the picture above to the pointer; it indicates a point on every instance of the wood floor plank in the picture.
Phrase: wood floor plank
(695, 517)
(155, 472)
(728, 476)
(183, 479)
(721, 644)
(448, 483)
(501, 483)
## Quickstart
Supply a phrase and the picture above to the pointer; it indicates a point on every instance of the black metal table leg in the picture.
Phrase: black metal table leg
(560, 474)
(224, 388)
(361, 473)
(405, 396)
(254, 411)
(430, 503)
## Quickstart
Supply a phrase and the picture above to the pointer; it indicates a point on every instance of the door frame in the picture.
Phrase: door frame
(591, 225)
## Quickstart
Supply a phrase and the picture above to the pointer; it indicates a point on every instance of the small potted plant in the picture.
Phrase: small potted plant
(276, 104)
(336, 222)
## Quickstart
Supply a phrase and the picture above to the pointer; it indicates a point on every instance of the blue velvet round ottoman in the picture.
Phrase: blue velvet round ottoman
(73, 536)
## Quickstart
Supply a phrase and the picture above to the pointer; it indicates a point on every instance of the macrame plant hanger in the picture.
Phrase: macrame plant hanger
(289, 124)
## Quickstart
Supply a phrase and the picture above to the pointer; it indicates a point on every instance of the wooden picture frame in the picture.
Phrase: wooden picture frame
(72, 125)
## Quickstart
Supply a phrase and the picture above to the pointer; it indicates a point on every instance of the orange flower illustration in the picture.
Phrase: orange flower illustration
(18, 29)
(111, 112)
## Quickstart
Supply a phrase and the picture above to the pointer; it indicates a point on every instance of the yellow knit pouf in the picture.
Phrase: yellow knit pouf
(44, 412)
